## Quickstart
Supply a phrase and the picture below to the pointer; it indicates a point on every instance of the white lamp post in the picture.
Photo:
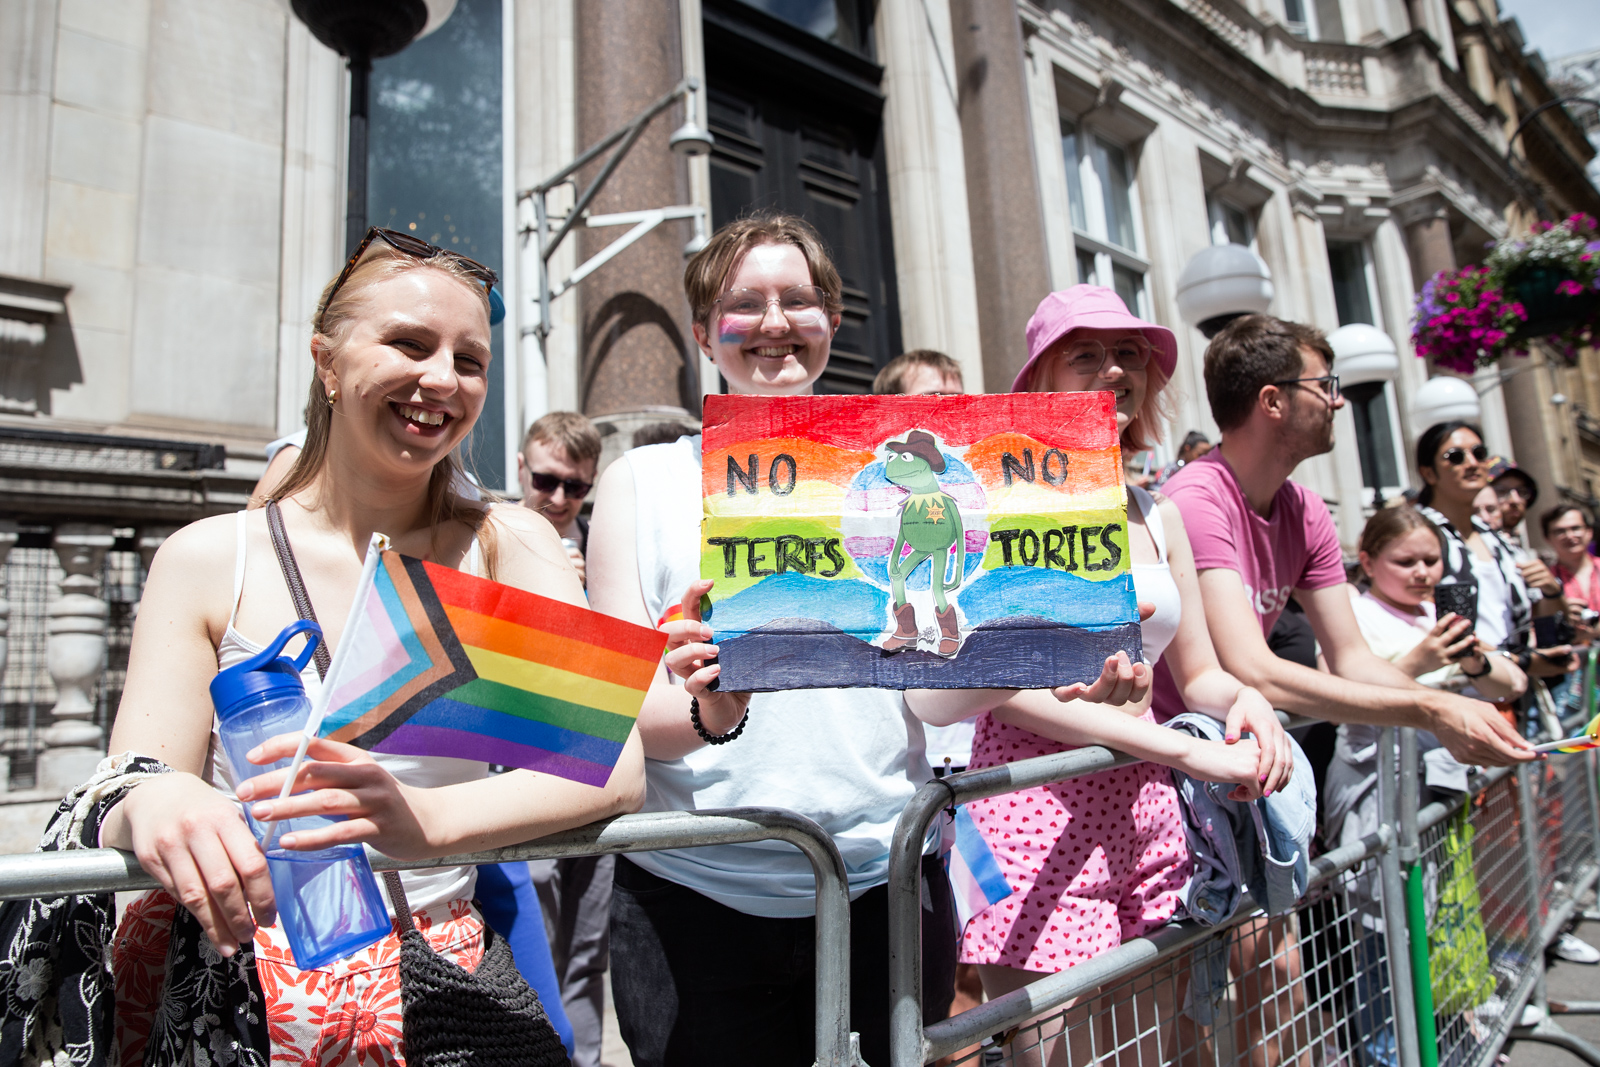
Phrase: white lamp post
(1442, 399)
(1221, 283)
(362, 31)
(1363, 353)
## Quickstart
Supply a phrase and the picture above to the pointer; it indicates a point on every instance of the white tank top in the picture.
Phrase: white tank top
(423, 888)
(1152, 583)
(848, 758)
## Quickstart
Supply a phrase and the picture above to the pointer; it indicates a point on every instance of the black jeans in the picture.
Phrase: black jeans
(699, 984)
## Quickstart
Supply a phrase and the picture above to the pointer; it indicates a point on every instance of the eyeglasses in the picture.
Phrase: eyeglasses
(1329, 385)
(1509, 491)
(547, 483)
(746, 309)
(411, 246)
(1088, 358)
(1457, 456)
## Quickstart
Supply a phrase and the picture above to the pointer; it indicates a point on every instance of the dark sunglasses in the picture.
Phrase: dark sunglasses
(1457, 456)
(546, 483)
(411, 246)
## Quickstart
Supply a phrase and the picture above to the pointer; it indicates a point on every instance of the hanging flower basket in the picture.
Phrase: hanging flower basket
(1554, 300)
(1543, 287)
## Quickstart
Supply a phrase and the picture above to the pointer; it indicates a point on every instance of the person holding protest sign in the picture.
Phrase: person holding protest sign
(1125, 876)
(402, 353)
(710, 946)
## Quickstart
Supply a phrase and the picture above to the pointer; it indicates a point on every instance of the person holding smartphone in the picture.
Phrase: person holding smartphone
(1455, 468)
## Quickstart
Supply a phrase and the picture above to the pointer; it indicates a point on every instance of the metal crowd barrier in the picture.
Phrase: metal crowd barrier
(48, 874)
(1419, 945)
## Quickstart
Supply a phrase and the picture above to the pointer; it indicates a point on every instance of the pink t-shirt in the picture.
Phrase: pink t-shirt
(1296, 548)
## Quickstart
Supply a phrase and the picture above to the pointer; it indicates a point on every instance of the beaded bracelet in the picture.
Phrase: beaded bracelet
(711, 738)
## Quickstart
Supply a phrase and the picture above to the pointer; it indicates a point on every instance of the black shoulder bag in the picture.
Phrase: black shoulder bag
(450, 1017)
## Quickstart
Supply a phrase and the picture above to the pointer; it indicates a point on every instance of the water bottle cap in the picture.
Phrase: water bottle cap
(264, 673)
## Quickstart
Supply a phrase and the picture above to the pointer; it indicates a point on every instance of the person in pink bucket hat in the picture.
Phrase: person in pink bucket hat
(1083, 339)
(1090, 310)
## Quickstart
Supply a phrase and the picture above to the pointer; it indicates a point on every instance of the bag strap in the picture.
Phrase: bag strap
(302, 606)
(296, 584)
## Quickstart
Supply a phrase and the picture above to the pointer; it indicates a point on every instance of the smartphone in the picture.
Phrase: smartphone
(1458, 598)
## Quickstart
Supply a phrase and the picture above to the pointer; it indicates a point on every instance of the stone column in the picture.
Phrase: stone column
(1428, 240)
(75, 655)
(637, 347)
(8, 540)
(1007, 218)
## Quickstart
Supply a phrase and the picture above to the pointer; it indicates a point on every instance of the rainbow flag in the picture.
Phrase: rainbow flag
(1590, 738)
(441, 663)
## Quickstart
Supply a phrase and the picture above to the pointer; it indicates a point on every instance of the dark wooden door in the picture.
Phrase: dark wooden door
(812, 146)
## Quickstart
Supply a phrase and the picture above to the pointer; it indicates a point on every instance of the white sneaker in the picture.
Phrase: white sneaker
(1574, 949)
(1532, 1015)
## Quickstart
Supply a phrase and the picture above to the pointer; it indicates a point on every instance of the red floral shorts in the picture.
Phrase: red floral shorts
(346, 1013)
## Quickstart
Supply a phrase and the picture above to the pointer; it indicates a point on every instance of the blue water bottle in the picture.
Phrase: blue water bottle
(328, 900)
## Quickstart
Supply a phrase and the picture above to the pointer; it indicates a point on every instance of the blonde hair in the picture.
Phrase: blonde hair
(1144, 429)
(335, 318)
(708, 270)
(568, 431)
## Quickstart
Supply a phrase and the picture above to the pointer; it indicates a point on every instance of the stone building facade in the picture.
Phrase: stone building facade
(172, 202)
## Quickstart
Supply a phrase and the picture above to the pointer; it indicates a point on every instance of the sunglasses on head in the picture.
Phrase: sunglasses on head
(547, 483)
(417, 248)
(1458, 455)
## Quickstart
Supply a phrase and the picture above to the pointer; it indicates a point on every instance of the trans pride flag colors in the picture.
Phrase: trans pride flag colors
(805, 499)
(976, 881)
(441, 663)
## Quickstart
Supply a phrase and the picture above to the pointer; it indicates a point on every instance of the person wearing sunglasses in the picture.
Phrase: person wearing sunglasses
(401, 347)
(1455, 466)
(556, 467)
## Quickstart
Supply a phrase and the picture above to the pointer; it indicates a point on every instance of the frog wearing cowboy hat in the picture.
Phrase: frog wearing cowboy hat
(930, 523)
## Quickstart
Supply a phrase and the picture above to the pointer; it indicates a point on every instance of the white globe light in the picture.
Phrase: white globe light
(1363, 353)
(438, 12)
(1442, 399)
(1223, 281)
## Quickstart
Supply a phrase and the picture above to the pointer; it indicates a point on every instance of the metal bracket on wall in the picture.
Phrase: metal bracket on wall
(548, 232)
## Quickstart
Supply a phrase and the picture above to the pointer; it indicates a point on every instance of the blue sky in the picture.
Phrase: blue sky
(1557, 27)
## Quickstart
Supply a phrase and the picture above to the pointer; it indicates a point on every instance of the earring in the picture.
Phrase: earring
(333, 396)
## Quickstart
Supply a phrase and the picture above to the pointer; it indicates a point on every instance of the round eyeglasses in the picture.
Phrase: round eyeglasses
(746, 309)
(1087, 358)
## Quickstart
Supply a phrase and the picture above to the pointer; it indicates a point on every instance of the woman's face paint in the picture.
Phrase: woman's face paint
(776, 357)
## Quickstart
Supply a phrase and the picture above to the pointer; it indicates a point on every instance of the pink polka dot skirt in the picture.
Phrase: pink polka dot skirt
(1091, 860)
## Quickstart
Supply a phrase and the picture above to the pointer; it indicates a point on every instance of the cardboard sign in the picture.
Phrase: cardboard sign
(903, 542)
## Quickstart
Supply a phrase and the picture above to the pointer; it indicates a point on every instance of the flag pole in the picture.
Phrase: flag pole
(319, 707)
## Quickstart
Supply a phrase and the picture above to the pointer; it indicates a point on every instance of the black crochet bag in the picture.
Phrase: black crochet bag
(455, 1018)
(449, 1016)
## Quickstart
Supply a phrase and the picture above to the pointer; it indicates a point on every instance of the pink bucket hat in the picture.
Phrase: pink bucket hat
(1090, 307)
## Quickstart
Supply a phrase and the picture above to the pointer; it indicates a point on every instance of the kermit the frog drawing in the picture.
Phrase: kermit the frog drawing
(930, 523)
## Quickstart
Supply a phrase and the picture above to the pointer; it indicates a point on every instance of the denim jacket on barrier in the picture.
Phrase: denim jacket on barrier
(1273, 861)
(1263, 846)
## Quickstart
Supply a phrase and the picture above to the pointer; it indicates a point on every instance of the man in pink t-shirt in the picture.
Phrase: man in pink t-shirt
(1258, 537)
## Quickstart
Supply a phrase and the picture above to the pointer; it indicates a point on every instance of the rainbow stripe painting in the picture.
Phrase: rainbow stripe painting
(904, 542)
(443, 663)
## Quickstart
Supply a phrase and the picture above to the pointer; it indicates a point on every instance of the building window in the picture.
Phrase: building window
(435, 169)
(1297, 18)
(1371, 403)
(1353, 281)
(1230, 223)
(838, 21)
(1105, 214)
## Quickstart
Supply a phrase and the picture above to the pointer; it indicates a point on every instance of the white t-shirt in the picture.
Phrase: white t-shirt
(849, 758)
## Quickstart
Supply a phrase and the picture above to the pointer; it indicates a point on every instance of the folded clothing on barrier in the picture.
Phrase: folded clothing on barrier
(56, 996)
(1263, 845)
